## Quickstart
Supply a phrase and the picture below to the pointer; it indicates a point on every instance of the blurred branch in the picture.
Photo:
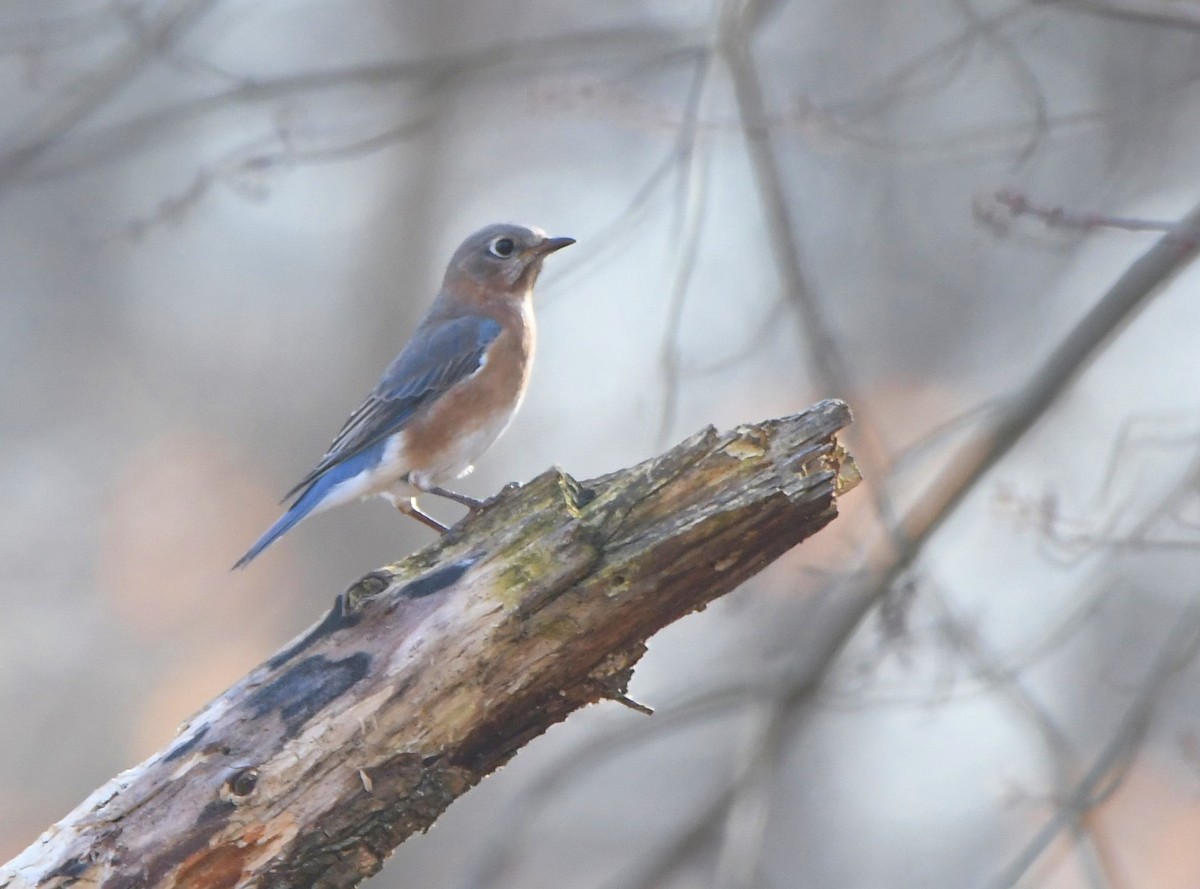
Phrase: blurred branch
(1011, 685)
(500, 851)
(433, 672)
(832, 370)
(781, 232)
(1071, 793)
(246, 169)
(1007, 204)
(930, 71)
(694, 203)
(617, 231)
(89, 93)
(1024, 77)
(1018, 414)
(892, 557)
(1169, 13)
(433, 74)
(51, 32)
(742, 798)
(1108, 770)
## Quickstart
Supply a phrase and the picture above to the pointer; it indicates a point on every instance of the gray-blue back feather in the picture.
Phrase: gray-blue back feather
(440, 354)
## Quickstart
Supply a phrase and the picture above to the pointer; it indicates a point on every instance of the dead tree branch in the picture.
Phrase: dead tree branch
(431, 673)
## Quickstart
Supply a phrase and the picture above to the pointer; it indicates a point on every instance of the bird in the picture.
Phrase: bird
(446, 397)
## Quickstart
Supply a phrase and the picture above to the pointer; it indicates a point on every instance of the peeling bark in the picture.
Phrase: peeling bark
(431, 673)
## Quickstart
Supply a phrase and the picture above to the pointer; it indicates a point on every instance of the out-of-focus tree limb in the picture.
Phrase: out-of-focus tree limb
(831, 367)
(1108, 769)
(433, 672)
(1028, 404)
(1168, 13)
(1012, 419)
(433, 75)
(90, 93)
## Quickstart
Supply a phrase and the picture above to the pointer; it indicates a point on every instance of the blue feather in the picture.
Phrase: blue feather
(313, 496)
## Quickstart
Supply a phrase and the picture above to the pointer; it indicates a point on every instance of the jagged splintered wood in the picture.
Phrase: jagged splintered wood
(431, 673)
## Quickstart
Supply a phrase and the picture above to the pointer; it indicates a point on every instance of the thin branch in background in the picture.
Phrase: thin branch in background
(1130, 293)
(84, 97)
(244, 165)
(935, 439)
(132, 17)
(888, 562)
(756, 765)
(498, 855)
(781, 232)
(1073, 540)
(1164, 13)
(1022, 74)
(739, 856)
(842, 120)
(245, 169)
(854, 698)
(620, 228)
(1006, 682)
(434, 75)
(1008, 204)
(819, 125)
(826, 129)
(929, 72)
(693, 839)
(614, 232)
(48, 33)
(830, 367)
(1110, 766)
(693, 202)
(1076, 815)
(753, 345)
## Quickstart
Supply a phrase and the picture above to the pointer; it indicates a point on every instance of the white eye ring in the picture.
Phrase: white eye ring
(502, 247)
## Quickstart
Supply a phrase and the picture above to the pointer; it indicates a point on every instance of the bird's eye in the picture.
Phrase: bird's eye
(502, 247)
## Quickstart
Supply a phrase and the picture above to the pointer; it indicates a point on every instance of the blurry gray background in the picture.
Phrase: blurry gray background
(219, 220)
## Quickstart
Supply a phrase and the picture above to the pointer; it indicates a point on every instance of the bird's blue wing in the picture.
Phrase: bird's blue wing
(439, 355)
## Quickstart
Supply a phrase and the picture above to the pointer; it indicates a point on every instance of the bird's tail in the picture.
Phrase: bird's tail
(301, 509)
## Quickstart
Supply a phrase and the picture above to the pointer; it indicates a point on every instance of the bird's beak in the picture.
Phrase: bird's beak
(551, 244)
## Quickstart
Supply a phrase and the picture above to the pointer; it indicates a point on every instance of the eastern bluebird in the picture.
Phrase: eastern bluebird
(449, 393)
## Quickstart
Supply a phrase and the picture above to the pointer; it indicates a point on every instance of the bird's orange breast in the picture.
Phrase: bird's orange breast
(444, 439)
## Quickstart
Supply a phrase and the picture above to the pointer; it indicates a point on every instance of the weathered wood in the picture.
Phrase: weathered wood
(431, 673)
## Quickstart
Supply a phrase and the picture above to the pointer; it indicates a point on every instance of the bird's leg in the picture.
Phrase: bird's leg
(408, 506)
(469, 502)
(426, 486)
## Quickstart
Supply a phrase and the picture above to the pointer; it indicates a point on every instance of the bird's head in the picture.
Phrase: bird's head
(503, 259)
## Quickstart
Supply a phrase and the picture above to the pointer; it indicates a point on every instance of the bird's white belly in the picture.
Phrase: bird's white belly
(365, 484)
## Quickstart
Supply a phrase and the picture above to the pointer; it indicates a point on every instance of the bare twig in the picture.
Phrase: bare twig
(1010, 204)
